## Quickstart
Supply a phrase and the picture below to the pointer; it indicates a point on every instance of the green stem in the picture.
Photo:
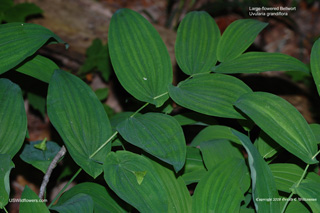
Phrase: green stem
(5, 209)
(104, 144)
(292, 193)
(141, 108)
(316, 155)
(159, 96)
(64, 188)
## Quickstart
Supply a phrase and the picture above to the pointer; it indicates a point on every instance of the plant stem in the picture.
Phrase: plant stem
(64, 188)
(141, 108)
(5, 209)
(316, 155)
(292, 193)
(104, 144)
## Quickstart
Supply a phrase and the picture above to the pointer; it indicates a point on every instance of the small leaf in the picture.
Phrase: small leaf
(13, 118)
(5, 168)
(78, 116)
(309, 191)
(42, 145)
(38, 158)
(222, 184)
(34, 203)
(216, 151)
(102, 93)
(256, 62)
(210, 94)
(104, 200)
(37, 102)
(19, 12)
(78, 203)
(38, 67)
(213, 133)
(286, 175)
(158, 134)
(266, 146)
(140, 176)
(139, 57)
(238, 36)
(22, 39)
(118, 173)
(263, 183)
(197, 40)
(282, 122)
(315, 64)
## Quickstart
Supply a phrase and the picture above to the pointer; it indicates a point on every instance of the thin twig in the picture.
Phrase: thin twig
(53, 164)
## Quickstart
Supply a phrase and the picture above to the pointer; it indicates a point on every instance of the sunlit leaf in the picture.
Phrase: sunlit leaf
(78, 116)
(197, 40)
(34, 204)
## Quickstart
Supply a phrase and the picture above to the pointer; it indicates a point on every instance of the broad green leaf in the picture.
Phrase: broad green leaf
(210, 94)
(178, 195)
(194, 168)
(266, 146)
(316, 131)
(22, 39)
(139, 57)
(119, 118)
(6, 4)
(220, 189)
(309, 191)
(34, 204)
(256, 62)
(37, 102)
(104, 200)
(19, 12)
(38, 67)
(263, 183)
(149, 196)
(78, 116)
(282, 122)
(5, 167)
(315, 64)
(78, 203)
(238, 36)
(197, 40)
(13, 118)
(38, 158)
(213, 133)
(285, 175)
(216, 151)
(158, 134)
(193, 118)
(297, 207)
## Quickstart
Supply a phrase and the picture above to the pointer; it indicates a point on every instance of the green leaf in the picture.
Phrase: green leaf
(102, 93)
(119, 118)
(282, 122)
(297, 207)
(37, 102)
(5, 168)
(38, 67)
(34, 203)
(266, 146)
(220, 189)
(286, 175)
(210, 94)
(316, 131)
(13, 118)
(213, 133)
(263, 183)
(315, 64)
(309, 191)
(197, 40)
(139, 57)
(42, 145)
(178, 195)
(256, 62)
(238, 36)
(158, 134)
(19, 12)
(78, 116)
(194, 168)
(38, 158)
(193, 118)
(21, 40)
(78, 203)
(119, 170)
(104, 200)
(216, 151)
(6, 4)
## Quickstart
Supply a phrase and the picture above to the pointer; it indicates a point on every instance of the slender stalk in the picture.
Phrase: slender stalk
(141, 108)
(104, 144)
(5, 209)
(52, 165)
(159, 96)
(292, 193)
(316, 155)
(64, 188)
